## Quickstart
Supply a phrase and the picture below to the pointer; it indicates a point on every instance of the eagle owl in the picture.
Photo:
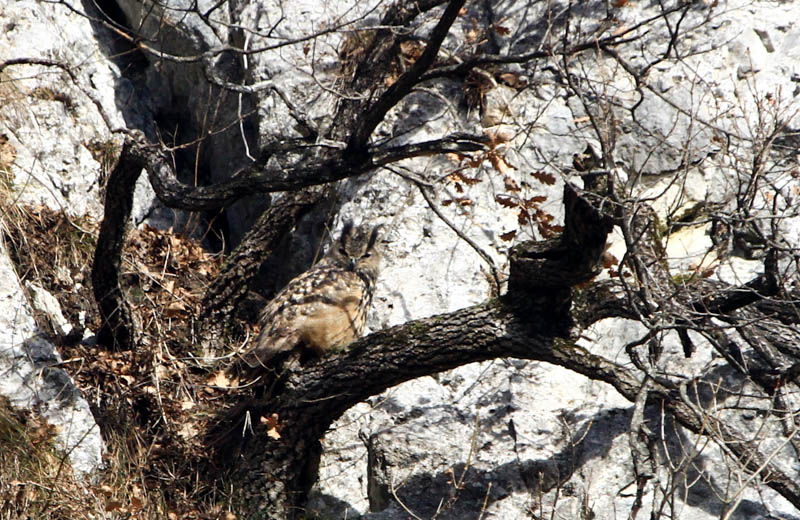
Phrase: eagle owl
(324, 308)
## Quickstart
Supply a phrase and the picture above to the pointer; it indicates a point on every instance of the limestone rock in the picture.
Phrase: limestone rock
(33, 380)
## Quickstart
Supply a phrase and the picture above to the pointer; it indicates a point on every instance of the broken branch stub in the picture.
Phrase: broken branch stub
(573, 258)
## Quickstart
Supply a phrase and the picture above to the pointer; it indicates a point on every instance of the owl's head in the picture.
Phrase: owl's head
(357, 250)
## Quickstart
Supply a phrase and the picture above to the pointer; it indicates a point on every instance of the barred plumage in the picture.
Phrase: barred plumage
(326, 307)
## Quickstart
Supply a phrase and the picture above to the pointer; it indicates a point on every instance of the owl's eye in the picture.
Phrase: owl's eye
(342, 251)
(366, 255)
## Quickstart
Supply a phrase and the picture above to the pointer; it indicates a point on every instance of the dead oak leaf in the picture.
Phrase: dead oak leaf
(220, 380)
(271, 423)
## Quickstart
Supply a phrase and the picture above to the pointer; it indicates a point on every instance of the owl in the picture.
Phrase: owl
(324, 308)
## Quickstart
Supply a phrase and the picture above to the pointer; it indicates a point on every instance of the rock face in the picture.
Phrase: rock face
(32, 378)
(57, 147)
(500, 439)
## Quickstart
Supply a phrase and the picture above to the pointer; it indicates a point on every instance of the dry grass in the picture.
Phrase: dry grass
(7, 156)
(35, 482)
(152, 404)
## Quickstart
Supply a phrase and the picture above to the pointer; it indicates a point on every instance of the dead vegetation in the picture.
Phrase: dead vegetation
(150, 403)
(35, 479)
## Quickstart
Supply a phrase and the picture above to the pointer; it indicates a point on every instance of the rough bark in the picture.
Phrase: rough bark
(230, 287)
(540, 319)
(118, 330)
(531, 322)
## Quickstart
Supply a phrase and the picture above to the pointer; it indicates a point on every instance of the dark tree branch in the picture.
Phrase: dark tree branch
(372, 117)
(488, 331)
(306, 171)
(461, 69)
(230, 287)
(453, 143)
(731, 299)
(118, 329)
(572, 259)
(376, 62)
(316, 396)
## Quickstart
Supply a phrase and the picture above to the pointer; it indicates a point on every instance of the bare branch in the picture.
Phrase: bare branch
(308, 171)
(372, 117)
(118, 329)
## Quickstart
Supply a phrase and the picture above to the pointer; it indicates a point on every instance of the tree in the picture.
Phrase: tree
(605, 71)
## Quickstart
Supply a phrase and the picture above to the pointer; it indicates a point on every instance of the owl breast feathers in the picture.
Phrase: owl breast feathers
(326, 307)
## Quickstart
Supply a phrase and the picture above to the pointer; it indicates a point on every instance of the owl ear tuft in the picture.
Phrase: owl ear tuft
(373, 236)
(347, 230)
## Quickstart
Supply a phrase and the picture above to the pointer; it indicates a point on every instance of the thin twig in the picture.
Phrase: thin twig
(423, 188)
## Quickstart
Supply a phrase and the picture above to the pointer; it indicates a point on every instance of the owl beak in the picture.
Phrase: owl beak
(352, 264)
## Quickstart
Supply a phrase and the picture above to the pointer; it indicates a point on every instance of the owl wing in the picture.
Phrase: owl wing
(321, 308)
(336, 312)
(279, 321)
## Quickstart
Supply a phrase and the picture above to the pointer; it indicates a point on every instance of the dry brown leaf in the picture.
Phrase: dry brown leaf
(510, 184)
(506, 201)
(502, 31)
(187, 431)
(498, 135)
(272, 425)
(513, 80)
(220, 380)
(455, 177)
(473, 34)
(136, 504)
(454, 158)
(136, 489)
(544, 178)
(162, 372)
(609, 260)
(411, 50)
(175, 308)
(508, 236)
(499, 163)
(523, 217)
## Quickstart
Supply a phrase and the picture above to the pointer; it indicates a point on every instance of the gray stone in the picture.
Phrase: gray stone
(500, 439)
(31, 378)
(47, 304)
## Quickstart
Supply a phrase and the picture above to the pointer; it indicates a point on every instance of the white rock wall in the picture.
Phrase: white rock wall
(511, 424)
